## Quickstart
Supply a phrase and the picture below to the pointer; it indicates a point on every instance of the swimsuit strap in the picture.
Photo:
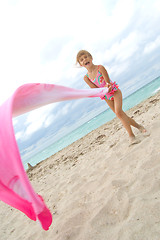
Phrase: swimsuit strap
(87, 75)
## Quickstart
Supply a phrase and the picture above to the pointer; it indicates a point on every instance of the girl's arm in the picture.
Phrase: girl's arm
(90, 84)
(104, 73)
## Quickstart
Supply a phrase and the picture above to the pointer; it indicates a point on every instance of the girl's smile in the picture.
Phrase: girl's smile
(87, 63)
(85, 60)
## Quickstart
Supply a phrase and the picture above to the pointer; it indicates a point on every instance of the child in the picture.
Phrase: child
(97, 76)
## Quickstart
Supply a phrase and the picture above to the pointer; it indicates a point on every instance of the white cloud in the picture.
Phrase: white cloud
(157, 5)
(19, 135)
(40, 113)
(49, 120)
(29, 26)
(153, 45)
(121, 16)
(65, 109)
(127, 47)
(39, 118)
(15, 121)
(34, 126)
(122, 50)
(118, 69)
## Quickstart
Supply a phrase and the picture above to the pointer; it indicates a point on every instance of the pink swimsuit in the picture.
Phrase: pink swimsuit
(100, 83)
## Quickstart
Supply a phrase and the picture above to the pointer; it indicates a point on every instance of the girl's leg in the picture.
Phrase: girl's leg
(136, 125)
(126, 121)
(119, 109)
(116, 107)
(132, 122)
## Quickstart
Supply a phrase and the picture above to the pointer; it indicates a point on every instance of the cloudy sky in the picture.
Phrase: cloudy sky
(39, 42)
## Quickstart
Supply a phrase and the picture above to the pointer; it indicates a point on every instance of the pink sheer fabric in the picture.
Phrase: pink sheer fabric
(15, 188)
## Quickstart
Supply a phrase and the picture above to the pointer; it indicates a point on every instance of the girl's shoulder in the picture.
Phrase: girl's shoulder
(86, 76)
(101, 67)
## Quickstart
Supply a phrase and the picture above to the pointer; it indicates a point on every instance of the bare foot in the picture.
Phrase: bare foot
(143, 131)
(134, 140)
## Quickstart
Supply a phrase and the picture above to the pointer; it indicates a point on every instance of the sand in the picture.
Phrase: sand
(98, 188)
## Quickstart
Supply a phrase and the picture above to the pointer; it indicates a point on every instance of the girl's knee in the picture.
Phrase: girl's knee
(119, 113)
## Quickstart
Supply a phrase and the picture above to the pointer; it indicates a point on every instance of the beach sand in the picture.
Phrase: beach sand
(99, 187)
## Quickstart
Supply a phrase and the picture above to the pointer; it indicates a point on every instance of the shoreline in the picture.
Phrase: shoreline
(34, 161)
(132, 112)
(98, 187)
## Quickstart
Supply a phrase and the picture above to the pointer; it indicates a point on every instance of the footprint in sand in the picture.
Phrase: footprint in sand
(72, 226)
(115, 210)
(153, 162)
(119, 183)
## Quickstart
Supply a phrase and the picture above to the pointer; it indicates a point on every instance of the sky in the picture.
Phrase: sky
(39, 42)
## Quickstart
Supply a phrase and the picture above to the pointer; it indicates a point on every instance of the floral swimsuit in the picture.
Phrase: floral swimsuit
(100, 83)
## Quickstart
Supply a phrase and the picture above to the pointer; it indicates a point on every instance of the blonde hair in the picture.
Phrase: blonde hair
(80, 53)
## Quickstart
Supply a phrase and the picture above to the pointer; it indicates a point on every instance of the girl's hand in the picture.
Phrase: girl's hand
(109, 86)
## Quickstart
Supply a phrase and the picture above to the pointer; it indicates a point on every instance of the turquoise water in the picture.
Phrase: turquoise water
(129, 102)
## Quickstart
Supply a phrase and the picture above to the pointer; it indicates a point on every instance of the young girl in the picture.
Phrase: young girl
(96, 77)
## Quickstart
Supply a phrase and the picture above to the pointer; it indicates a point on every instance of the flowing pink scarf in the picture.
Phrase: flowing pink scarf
(15, 188)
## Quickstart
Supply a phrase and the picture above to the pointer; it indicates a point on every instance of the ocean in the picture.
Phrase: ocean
(130, 101)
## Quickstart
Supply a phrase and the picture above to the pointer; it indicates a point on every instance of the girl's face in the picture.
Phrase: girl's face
(85, 60)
